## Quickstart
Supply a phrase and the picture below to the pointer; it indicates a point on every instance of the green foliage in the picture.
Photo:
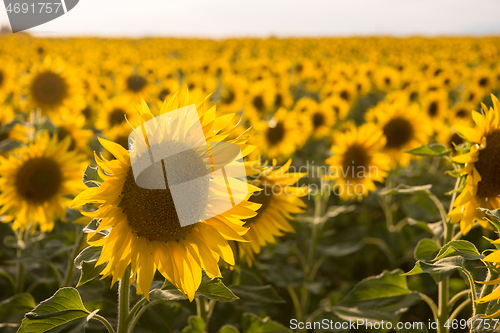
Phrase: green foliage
(63, 312)
(17, 304)
(251, 323)
(431, 149)
(91, 177)
(382, 297)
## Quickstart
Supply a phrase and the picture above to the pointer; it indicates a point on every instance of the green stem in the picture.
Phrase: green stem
(295, 301)
(19, 288)
(123, 301)
(105, 322)
(135, 308)
(431, 304)
(143, 309)
(201, 309)
(459, 309)
(71, 257)
(480, 308)
(457, 297)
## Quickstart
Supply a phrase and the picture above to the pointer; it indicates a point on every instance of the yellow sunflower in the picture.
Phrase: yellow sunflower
(482, 168)
(36, 180)
(279, 199)
(7, 75)
(322, 120)
(52, 86)
(145, 230)
(71, 125)
(404, 127)
(115, 112)
(134, 84)
(357, 161)
(277, 138)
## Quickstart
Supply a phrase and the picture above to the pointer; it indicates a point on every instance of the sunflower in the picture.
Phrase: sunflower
(134, 84)
(115, 112)
(460, 113)
(145, 230)
(338, 106)
(36, 180)
(7, 115)
(71, 125)
(260, 100)
(435, 105)
(387, 78)
(232, 93)
(322, 120)
(166, 88)
(7, 74)
(404, 128)
(277, 138)
(482, 168)
(52, 86)
(493, 257)
(357, 161)
(279, 199)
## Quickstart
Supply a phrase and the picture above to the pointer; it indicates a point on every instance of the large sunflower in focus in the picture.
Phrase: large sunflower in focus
(279, 199)
(357, 161)
(35, 181)
(52, 86)
(482, 168)
(145, 230)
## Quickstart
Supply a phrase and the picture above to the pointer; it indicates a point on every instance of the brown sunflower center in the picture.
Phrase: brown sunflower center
(488, 166)
(258, 103)
(87, 112)
(49, 88)
(1, 78)
(275, 134)
(318, 119)
(163, 93)
(278, 101)
(462, 113)
(228, 97)
(63, 132)
(483, 82)
(136, 83)
(433, 109)
(398, 132)
(356, 160)
(116, 117)
(345, 95)
(455, 139)
(38, 179)
(152, 213)
(122, 140)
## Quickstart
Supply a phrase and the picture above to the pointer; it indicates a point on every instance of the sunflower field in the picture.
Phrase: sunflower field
(373, 186)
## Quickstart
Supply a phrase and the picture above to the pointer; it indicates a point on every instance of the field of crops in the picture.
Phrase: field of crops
(373, 170)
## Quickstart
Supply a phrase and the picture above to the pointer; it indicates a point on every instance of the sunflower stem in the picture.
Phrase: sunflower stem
(201, 309)
(105, 322)
(21, 238)
(71, 257)
(123, 301)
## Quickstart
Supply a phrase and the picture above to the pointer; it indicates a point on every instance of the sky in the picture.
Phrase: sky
(280, 18)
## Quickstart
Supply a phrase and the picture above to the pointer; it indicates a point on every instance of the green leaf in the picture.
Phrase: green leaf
(261, 294)
(406, 189)
(459, 247)
(63, 312)
(493, 217)
(431, 149)
(341, 249)
(88, 254)
(251, 323)
(426, 249)
(382, 297)
(439, 270)
(196, 325)
(228, 329)
(210, 288)
(20, 303)
(89, 272)
(91, 177)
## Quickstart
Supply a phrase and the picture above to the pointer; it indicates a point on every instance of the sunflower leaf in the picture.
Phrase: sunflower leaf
(228, 329)
(462, 248)
(406, 189)
(431, 149)
(493, 217)
(210, 288)
(426, 249)
(251, 323)
(260, 294)
(88, 254)
(382, 297)
(91, 177)
(17, 304)
(439, 269)
(89, 271)
(63, 312)
(196, 325)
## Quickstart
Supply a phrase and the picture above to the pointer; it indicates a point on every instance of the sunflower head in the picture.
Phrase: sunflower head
(481, 166)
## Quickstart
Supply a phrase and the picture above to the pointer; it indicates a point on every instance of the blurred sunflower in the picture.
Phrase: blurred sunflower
(115, 112)
(7, 74)
(134, 84)
(279, 199)
(72, 125)
(404, 128)
(52, 86)
(145, 230)
(278, 137)
(322, 120)
(338, 106)
(357, 161)
(435, 105)
(482, 168)
(36, 180)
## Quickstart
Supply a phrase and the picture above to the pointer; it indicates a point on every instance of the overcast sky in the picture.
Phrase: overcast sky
(236, 18)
